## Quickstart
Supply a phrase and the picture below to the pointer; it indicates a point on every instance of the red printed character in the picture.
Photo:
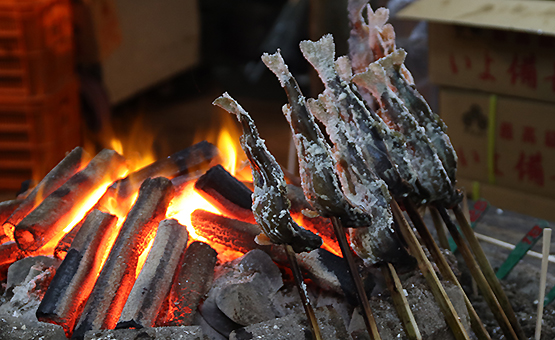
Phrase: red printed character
(531, 167)
(551, 79)
(525, 69)
(476, 156)
(506, 130)
(550, 139)
(486, 75)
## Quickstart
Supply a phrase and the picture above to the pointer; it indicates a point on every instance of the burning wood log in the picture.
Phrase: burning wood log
(75, 278)
(118, 274)
(155, 279)
(6, 210)
(226, 193)
(192, 282)
(188, 160)
(232, 233)
(73, 162)
(59, 209)
(9, 253)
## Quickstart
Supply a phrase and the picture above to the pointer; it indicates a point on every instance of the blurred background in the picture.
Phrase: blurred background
(139, 76)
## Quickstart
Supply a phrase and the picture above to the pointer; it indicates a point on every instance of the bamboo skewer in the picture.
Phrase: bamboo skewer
(369, 319)
(477, 274)
(400, 302)
(440, 228)
(443, 266)
(487, 270)
(315, 329)
(451, 317)
(543, 276)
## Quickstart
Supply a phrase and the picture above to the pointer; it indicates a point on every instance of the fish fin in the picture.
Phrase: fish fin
(277, 65)
(321, 55)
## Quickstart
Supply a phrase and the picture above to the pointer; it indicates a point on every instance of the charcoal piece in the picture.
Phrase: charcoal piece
(330, 272)
(154, 333)
(295, 326)
(195, 157)
(154, 281)
(226, 193)
(23, 328)
(118, 274)
(256, 269)
(192, 282)
(73, 162)
(71, 286)
(58, 210)
(63, 246)
(244, 304)
(6, 210)
(17, 271)
(237, 235)
(9, 253)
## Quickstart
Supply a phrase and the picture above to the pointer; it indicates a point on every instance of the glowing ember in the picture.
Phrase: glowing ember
(183, 206)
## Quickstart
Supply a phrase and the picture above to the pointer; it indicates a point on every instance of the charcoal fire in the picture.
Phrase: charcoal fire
(193, 280)
(154, 281)
(73, 162)
(75, 278)
(226, 193)
(58, 210)
(118, 274)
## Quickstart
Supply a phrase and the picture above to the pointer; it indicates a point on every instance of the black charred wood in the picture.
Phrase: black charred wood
(227, 193)
(118, 274)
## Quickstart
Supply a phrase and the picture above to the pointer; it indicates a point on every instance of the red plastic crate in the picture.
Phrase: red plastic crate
(36, 132)
(36, 46)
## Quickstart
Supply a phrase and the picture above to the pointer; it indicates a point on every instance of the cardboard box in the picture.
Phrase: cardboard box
(495, 62)
(138, 43)
(501, 46)
(523, 138)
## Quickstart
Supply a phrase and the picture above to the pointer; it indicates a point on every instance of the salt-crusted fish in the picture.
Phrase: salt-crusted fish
(362, 188)
(270, 204)
(318, 179)
(381, 148)
(423, 156)
(436, 130)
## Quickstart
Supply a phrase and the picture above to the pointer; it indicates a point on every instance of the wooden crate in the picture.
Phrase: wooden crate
(36, 132)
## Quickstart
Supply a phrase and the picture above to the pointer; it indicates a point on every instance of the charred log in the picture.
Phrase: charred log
(192, 282)
(226, 193)
(118, 274)
(71, 286)
(73, 162)
(58, 210)
(6, 210)
(155, 279)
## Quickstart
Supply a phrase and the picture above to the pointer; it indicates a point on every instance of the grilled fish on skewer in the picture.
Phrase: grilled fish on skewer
(319, 182)
(362, 187)
(423, 156)
(436, 130)
(380, 146)
(270, 204)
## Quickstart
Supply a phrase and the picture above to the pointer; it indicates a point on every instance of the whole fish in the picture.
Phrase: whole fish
(362, 188)
(316, 167)
(270, 204)
(436, 130)
(423, 156)
(381, 147)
